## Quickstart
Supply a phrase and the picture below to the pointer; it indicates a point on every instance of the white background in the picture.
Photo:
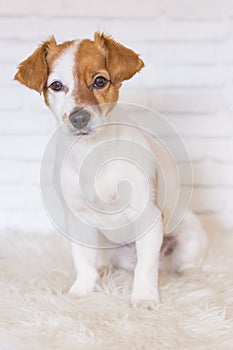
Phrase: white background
(187, 47)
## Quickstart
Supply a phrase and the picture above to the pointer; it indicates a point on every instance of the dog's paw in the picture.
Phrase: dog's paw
(148, 302)
(145, 304)
(185, 269)
(77, 292)
(79, 289)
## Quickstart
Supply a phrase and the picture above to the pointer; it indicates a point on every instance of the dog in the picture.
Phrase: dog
(80, 82)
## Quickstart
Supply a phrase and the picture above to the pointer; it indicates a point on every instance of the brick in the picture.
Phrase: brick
(169, 76)
(135, 96)
(119, 9)
(164, 30)
(210, 149)
(26, 7)
(228, 4)
(185, 100)
(188, 9)
(10, 172)
(27, 123)
(122, 30)
(11, 99)
(178, 9)
(225, 52)
(19, 172)
(227, 93)
(180, 52)
(101, 9)
(32, 222)
(7, 74)
(202, 125)
(205, 200)
(41, 28)
(30, 173)
(16, 197)
(22, 148)
(210, 173)
(13, 51)
(199, 52)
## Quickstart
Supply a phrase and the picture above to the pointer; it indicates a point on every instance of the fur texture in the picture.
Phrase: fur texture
(72, 74)
(196, 310)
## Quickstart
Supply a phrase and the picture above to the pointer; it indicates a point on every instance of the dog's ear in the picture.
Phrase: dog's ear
(122, 63)
(33, 72)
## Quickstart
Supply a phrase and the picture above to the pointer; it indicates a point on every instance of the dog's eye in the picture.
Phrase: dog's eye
(100, 82)
(57, 86)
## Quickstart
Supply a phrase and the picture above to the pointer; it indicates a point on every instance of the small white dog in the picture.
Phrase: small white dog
(80, 81)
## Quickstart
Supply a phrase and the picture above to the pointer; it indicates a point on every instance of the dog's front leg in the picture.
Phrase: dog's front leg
(145, 286)
(85, 265)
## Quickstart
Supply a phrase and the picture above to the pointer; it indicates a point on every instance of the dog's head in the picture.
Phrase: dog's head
(79, 79)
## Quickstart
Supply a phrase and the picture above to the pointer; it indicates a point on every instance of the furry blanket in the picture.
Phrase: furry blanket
(35, 313)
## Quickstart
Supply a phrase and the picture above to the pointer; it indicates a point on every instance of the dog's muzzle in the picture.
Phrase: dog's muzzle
(79, 119)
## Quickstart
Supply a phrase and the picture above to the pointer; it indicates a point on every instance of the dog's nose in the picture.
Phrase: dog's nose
(79, 119)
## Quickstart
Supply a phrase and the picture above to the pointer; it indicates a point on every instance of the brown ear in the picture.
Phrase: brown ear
(122, 63)
(33, 72)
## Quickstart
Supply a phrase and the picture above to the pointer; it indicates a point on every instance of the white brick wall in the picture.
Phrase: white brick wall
(187, 46)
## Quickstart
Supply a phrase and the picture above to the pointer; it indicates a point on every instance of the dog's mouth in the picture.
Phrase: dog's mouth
(82, 133)
(79, 132)
(91, 129)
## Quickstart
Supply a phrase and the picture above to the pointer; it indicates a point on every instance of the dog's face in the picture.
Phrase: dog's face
(79, 79)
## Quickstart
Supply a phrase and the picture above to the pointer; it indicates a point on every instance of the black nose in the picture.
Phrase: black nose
(79, 119)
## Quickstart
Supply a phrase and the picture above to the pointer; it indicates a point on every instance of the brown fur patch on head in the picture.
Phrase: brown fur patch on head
(103, 57)
(88, 62)
(122, 63)
(33, 72)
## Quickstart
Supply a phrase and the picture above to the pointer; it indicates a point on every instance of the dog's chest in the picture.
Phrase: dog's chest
(103, 183)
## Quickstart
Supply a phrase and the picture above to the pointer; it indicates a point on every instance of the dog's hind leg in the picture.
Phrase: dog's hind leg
(185, 248)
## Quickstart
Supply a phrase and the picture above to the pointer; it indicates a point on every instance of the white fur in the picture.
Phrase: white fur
(190, 236)
(195, 313)
(62, 103)
(145, 289)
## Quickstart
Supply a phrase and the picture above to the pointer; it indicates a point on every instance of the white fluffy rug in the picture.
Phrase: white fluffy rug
(196, 310)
